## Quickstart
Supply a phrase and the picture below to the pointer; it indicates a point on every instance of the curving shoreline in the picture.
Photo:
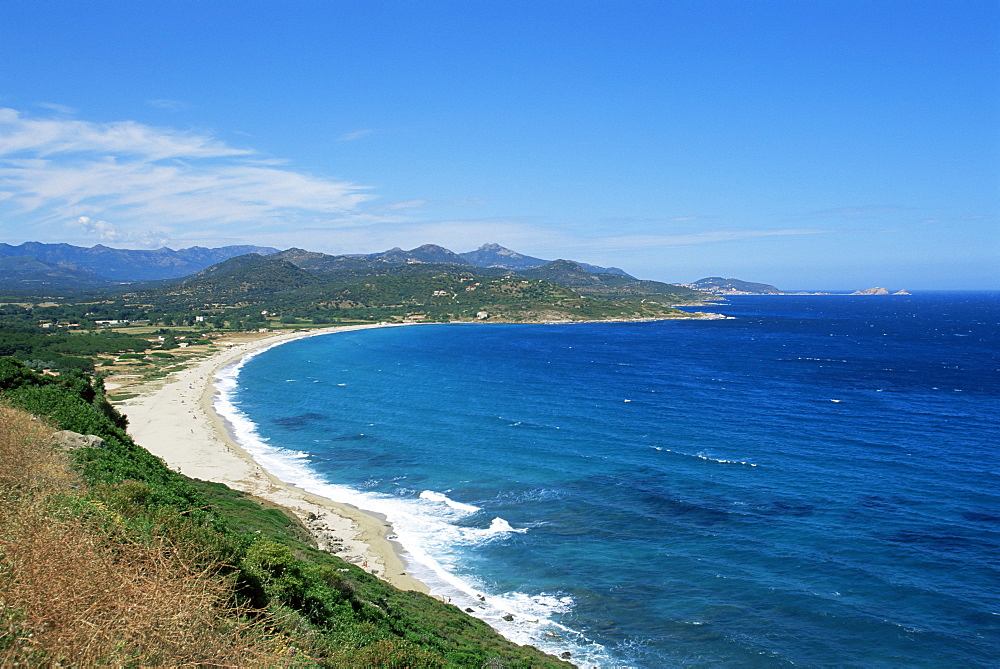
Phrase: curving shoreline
(175, 419)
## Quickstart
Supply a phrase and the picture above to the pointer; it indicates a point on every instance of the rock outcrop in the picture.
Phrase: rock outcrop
(878, 290)
(70, 441)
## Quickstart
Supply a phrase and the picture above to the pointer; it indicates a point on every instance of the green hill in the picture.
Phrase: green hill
(574, 275)
(124, 562)
(716, 284)
(304, 286)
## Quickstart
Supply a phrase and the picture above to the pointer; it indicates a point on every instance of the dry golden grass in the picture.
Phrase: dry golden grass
(75, 590)
(23, 462)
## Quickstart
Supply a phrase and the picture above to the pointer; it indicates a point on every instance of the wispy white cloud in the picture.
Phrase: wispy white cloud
(599, 248)
(457, 235)
(357, 134)
(630, 242)
(144, 179)
(133, 184)
(469, 202)
(169, 105)
(529, 236)
(407, 204)
(646, 255)
(657, 222)
(59, 109)
(109, 233)
(53, 136)
(860, 211)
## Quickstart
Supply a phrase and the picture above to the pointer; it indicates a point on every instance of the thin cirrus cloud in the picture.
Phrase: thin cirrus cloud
(144, 178)
(351, 136)
(633, 242)
(167, 104)
(57, 108)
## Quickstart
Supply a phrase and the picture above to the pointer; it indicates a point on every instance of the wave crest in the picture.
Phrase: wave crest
(432, 496)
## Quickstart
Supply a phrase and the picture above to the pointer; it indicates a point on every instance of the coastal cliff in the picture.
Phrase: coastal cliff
(114, 558)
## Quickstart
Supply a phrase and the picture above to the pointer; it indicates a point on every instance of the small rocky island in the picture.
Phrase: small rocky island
(878, 290)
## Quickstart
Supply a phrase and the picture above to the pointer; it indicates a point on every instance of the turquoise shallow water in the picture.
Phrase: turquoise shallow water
(812, 482)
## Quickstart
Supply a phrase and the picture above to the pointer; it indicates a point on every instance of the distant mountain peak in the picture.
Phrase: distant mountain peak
(494, 255)
(428, 253)
(493, 247)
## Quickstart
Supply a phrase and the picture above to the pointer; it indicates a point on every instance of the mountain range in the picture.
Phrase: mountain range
(125, 265)
(65, 265)
(37, 268)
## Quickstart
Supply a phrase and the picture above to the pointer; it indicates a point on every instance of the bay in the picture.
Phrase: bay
(811, 481)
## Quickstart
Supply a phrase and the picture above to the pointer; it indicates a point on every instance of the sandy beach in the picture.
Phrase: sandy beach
(174, 418)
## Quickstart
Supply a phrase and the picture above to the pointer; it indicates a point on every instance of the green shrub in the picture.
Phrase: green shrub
(327, 612)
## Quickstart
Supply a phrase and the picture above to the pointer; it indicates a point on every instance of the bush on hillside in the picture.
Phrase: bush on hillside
(319, 609)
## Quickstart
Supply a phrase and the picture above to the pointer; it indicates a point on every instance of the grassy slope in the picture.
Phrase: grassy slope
(77, 590)
(327, 611)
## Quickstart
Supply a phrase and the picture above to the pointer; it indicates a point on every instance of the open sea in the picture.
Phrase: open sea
(811, 482)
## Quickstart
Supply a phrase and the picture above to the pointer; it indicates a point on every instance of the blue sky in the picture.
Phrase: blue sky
(807, 144)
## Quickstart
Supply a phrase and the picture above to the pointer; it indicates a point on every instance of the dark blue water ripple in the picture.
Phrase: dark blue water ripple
(811, 483)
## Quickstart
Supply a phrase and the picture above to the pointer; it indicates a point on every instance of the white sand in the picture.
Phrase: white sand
(174, 419)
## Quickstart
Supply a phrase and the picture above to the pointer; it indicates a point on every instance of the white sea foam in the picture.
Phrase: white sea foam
(529, 619)
(444, 499)
(543, 605)
(726, 462)
(499, 526)
(707, 458)
(424, 527)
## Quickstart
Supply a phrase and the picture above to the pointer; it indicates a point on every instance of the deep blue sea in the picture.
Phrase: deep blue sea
(811, 482)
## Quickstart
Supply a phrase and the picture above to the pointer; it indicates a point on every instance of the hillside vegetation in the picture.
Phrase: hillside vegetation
(393, 285)
(108, 557)
(313, 288)
(59, 329)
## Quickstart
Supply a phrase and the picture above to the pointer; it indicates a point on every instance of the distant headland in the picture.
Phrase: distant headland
(724, 287)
